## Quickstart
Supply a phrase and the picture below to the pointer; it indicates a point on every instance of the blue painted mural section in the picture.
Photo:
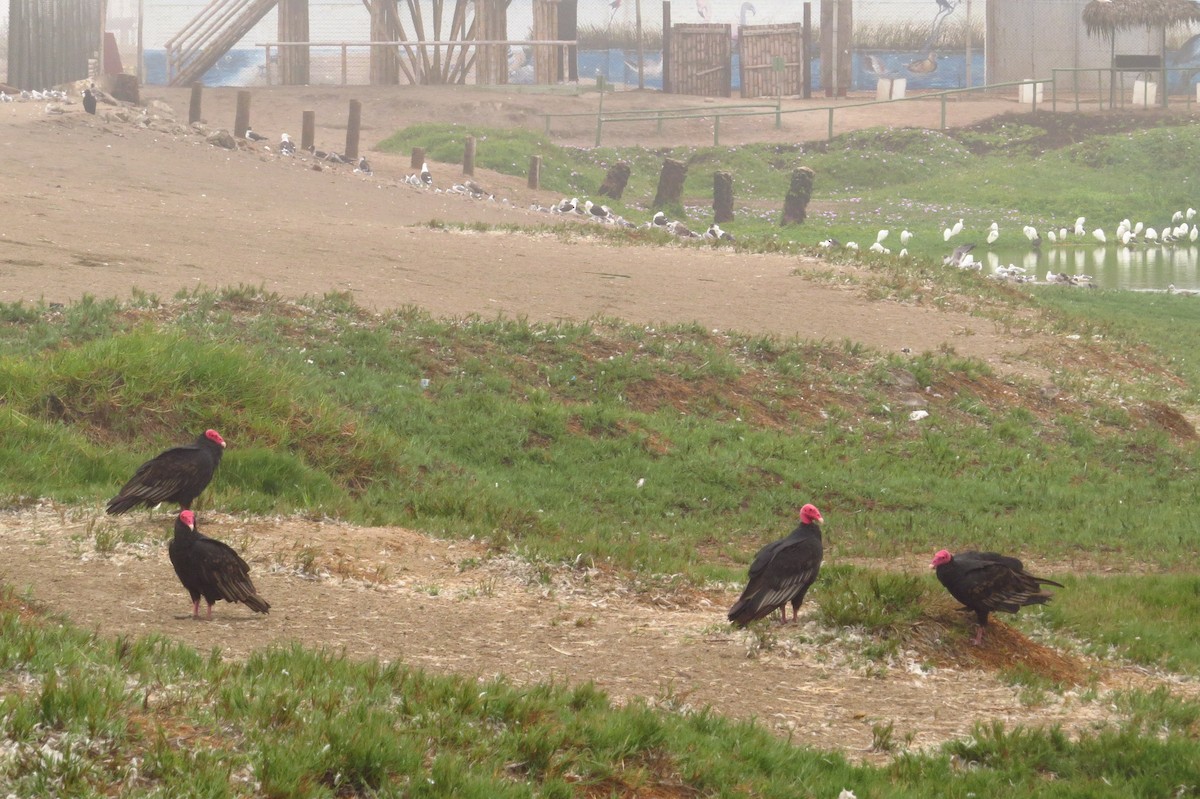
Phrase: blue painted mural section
(950, 71)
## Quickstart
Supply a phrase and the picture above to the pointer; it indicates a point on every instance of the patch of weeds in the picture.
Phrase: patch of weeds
(881, 603)
(883, 736)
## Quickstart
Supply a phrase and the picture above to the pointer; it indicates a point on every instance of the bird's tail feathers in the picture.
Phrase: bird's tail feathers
(257, 603)
(121, 504)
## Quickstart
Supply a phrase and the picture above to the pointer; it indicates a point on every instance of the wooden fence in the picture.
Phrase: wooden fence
(701, 60)
(51, 41)
(772, 61)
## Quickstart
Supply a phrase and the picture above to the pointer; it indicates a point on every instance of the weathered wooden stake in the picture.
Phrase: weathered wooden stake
(670, 183)
(535, 171)
(418, 157)
(469, 156)
(308, 130)
(194, 105)
(722, 197)
(352, 128)
(795, 205)
(615, 181)
(241, 120)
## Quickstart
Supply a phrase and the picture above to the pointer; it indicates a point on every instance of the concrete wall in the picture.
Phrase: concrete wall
(1029, 38)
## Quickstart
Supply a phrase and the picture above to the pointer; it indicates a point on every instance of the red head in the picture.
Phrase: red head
(188, 518)
(215, 437)
(810, 514)
(942, 557)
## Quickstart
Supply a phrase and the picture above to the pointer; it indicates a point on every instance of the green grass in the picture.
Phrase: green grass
(86, 716)
(1148, 619)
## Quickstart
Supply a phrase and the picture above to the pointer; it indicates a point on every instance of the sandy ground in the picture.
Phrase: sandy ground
(103, 206)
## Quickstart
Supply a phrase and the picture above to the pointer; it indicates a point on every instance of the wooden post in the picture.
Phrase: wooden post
(308, 130)
(722, 197)
(352, 127)
(641, 45)
(615, 181)
(845, 36)
(418, 157)
(666, 52)
(293, 27)
(795, 205)
(670, 183)
(194, 105)
(469, 156)
(241, 120)
(535, 171)
(806, 53)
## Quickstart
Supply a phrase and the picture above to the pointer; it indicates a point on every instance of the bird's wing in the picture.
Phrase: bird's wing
(791, 567)
(223, 570)
(994, 584)
(163, 475)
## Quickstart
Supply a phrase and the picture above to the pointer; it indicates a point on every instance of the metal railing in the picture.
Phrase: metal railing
(1116, 98)
(459, 44)
(716, 113)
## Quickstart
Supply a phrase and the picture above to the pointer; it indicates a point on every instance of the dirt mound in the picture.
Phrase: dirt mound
(945, 634)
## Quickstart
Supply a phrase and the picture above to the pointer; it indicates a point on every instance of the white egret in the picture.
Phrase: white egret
(1099, 235)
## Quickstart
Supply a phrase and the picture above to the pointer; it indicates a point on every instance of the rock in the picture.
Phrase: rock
(161, 109)
(222, 138)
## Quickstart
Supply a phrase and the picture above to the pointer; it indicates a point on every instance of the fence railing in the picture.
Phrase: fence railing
(1116, 94)
(460, 44)
(717, 113)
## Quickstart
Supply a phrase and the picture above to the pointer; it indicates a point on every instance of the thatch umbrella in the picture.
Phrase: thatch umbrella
(1107, 17)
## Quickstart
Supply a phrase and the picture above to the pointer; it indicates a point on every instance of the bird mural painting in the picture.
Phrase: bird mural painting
(923, 66)
(986, 582)
(782, 572)
(176, 475)
(211, 569)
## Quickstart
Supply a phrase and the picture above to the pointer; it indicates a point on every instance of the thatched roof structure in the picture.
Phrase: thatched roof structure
(1106, 17)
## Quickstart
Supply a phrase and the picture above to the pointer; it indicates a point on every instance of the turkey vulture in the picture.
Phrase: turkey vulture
(782, 572)
(988, 581)
(177, 475)
(211, 569)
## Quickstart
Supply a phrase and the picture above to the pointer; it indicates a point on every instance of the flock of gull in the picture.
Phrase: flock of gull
(605, 215)
(34, 96)
(1182, 229)
(422, 179)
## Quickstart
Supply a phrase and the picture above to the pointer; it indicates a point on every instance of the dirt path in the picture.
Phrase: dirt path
(449, 607)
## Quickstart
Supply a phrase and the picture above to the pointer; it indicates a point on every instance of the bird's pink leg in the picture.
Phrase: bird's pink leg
(978, 635)
(196, 609)
(210, 604)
